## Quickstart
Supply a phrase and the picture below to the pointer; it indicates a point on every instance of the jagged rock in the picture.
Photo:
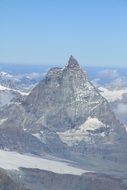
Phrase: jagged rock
(65, 116)
(15, 139)
(62, 101)
(6, 183)
(66, 98)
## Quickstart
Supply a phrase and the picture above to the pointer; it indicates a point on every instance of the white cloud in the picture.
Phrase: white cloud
(121, 112)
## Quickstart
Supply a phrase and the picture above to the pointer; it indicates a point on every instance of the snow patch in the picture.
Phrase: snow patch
(2, 121)
(74, 136)
(14, 160)
(91, 124)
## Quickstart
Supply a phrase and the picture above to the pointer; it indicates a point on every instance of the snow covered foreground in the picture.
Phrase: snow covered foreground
(14, 160)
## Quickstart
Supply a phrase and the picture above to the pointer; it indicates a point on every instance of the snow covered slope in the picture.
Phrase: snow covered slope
(8, 94)
(19, 160)
(66, 113)
(3, 88)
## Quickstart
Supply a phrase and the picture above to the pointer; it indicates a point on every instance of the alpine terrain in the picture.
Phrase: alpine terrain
(62, 135)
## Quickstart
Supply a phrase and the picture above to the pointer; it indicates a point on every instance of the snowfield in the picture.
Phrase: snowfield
(13, 161)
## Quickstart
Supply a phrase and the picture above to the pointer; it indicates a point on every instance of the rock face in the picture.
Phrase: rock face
(65, 116)
(15, 139)
(6, 183)
(35, 179)
(65, 111)
(66, 98)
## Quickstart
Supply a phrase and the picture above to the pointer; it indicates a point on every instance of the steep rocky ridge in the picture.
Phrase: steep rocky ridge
(66, 98)
(61, 105)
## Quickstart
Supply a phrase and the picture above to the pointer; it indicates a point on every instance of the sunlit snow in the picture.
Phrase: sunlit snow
(73, 136)
(13, 160)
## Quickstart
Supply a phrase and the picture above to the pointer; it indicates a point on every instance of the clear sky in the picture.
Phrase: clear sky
(49, 31)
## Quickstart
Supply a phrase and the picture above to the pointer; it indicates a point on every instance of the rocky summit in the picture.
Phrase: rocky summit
(65, 115)
(66, 98)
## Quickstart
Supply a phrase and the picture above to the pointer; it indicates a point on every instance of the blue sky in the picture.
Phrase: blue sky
(49, 31)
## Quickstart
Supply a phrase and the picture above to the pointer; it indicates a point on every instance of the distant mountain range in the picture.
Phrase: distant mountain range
(93, 71)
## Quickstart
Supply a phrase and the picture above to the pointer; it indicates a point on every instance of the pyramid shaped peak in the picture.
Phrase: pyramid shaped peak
(73, 63)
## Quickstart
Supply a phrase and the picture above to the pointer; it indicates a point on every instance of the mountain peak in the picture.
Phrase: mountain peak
(73, 63)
